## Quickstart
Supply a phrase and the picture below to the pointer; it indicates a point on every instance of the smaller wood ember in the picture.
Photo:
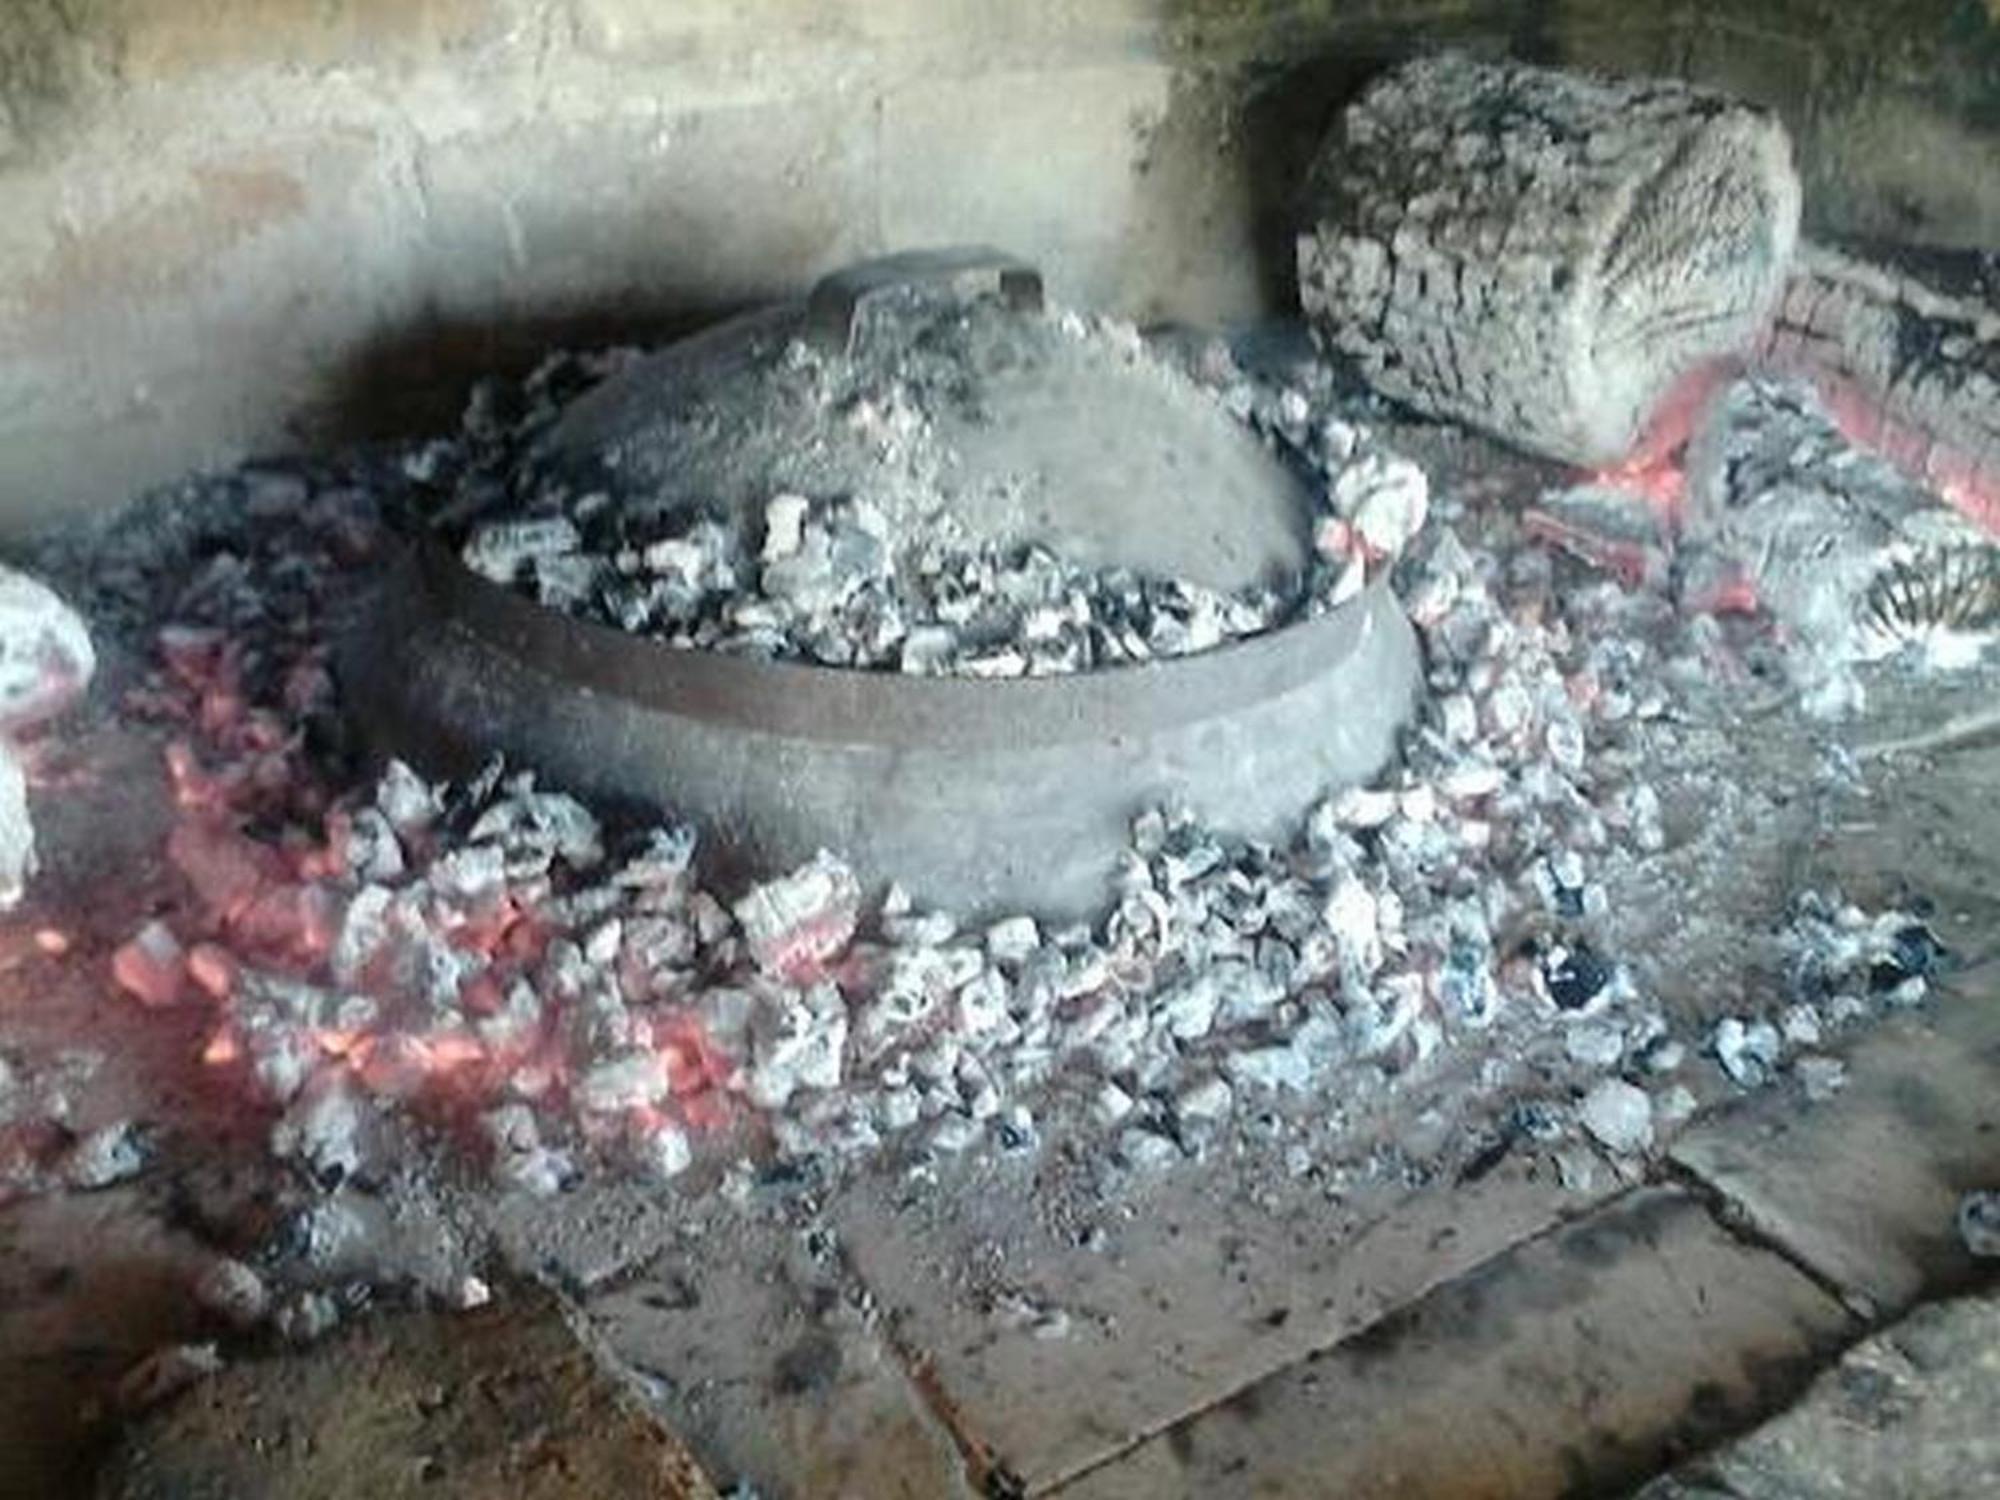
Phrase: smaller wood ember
(1854, 559)
(1903, 369)
(1545, 255)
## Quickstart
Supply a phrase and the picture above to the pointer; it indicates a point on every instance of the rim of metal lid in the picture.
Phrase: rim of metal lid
(853, 706)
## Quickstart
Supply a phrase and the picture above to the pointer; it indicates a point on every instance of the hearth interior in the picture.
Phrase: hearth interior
(909, 710)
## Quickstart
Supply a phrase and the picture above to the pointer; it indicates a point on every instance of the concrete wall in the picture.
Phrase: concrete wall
(237, 225)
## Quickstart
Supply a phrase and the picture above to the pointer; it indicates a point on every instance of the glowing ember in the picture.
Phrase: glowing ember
(151, 967)
(416, 967)
(1678, 413)
(1960, 480)
(222, 1050)
(213, 969)
(1632, 563)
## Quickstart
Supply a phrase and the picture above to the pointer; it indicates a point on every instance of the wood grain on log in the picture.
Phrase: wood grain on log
(1544, 254)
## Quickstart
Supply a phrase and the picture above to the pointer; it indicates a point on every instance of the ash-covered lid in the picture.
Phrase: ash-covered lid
(940, 403)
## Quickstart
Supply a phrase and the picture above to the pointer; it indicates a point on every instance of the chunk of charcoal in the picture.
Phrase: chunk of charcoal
(498, 550)
(1575, 975)
(1979, 1224)
(1914, 953)
(1619, 1115)
(1747, 1051)
(107, 1155)
(796, 923)
(1015, 1129)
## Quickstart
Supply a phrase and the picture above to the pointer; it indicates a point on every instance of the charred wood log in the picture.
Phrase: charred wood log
(1903, 369)
(1540, 254)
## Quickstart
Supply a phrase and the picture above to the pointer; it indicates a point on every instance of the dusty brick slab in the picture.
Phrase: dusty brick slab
(1863, 1188)
(89, 1286)
(1063, 1326)
(1579, 1362)
(752, 1341)
(503, 1400)
(1905, 1415)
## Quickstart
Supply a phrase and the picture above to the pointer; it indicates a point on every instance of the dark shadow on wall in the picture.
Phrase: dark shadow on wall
(413, 381)
(1266, 81)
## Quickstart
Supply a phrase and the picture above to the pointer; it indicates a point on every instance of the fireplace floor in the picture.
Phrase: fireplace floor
(1395, 1275)
(872, 1343)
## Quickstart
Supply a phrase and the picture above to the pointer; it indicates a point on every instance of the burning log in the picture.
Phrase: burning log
(1903, 370)
(1543, 255)
(1852, 556)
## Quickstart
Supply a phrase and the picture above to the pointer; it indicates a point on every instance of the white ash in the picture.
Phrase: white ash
(1619, 1115)
(1747, 1051)
(794, 924)
(232, 1291)
(1385, 499)
(18, 859)
(1663, 1056)
(1800, 1025)
(46, 662)
(108, 1155)
(1821, 1077)
(852, 592)
(503, 550)
(797, 1041)
(324, 1127)
(662, 1149)
(46, 656)
(1220, 967)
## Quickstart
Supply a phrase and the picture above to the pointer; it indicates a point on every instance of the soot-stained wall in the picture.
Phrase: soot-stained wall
(229, 226)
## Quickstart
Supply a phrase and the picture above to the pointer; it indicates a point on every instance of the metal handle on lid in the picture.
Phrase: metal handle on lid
(837, 301)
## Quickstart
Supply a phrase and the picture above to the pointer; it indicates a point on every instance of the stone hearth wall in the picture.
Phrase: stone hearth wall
(229, 226)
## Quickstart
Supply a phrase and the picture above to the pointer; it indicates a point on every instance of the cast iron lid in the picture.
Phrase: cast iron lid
(937, 384)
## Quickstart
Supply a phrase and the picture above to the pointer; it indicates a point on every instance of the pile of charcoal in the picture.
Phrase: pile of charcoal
(836, 583)
(374, 953)
(891, 582)
(491, 952)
